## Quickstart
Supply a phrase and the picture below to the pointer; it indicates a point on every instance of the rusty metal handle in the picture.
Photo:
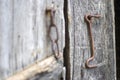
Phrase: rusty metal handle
(88, 19)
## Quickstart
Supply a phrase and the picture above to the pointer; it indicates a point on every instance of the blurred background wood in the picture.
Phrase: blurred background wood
(24, 34)
(47, 69)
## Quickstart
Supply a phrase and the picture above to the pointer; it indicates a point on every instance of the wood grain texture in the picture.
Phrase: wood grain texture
(47, 69)
(23, 37)
(103, 31)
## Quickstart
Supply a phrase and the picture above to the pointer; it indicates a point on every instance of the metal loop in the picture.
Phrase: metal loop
(55, 49)
(56, 30)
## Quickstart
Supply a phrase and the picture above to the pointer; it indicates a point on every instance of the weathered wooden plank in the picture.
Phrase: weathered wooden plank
(41, 69)
(103, 33)
(5, 36)
(24, 34)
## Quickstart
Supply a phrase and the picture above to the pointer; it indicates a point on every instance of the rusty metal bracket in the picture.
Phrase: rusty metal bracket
(88, 19)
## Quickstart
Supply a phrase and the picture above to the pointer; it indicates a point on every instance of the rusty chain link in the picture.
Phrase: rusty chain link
(88, 19)
(54, 42)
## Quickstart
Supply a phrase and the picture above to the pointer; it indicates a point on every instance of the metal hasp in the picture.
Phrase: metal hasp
(88, 19)
(55, 47)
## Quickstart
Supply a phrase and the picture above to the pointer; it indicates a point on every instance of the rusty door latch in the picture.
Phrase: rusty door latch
(88, 19)
(54, 41)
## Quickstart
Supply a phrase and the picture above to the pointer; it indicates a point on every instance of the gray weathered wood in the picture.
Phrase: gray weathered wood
(103, 31)
(23, 33)
(44, 70)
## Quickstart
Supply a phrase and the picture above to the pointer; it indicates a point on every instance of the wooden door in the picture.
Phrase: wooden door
(26, 49)
(24, 35)
(103, 32)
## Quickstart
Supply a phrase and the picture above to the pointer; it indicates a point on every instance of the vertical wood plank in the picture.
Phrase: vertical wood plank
(24, 37)
(5, 36)
(104, 41)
